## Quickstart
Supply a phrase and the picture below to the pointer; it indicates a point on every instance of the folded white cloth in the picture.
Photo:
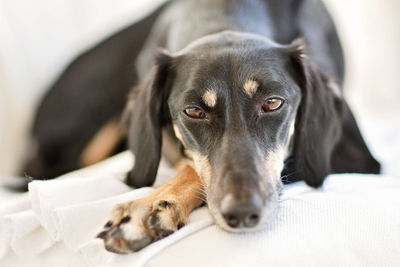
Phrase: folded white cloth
(28, 238)
(48, 196)
(354, 220)
(14, 205)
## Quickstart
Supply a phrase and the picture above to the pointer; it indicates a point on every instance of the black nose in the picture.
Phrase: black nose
(241, 212)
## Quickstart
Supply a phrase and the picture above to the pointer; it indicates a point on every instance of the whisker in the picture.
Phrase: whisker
(284, 177)
(200, 194)
(201, 197)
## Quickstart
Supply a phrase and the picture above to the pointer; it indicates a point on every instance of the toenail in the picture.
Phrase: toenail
(102, 235)
(108, 224)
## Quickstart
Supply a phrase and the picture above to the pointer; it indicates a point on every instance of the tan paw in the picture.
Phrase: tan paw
(138, 223)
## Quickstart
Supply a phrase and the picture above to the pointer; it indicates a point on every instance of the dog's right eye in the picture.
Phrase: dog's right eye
(195, 113)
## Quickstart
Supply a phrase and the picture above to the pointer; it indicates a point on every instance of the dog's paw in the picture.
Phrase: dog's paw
(138, 223)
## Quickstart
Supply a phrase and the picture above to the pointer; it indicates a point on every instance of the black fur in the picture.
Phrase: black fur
(327, 138)
(318, 126)
(149, 115)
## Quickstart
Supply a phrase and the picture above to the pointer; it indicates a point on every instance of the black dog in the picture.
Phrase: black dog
(250, 104)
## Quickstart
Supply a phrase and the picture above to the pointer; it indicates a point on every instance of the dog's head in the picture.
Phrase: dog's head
(242, 106)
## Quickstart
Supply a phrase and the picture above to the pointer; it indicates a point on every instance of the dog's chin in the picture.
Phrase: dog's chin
(267, 218)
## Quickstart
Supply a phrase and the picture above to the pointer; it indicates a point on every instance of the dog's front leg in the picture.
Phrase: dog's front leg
(138, 223)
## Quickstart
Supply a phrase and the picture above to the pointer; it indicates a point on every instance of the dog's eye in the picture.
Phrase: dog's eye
(272, 104)
(195, 113)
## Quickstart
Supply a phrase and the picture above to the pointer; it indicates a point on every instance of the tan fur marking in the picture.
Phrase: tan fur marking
(250, 87)
(170, 148)
(274, 163)
(289, 139)
(102, 144)
(181, 164)
(177, 133)
(202, 165)
(184, 189)
(210, 98)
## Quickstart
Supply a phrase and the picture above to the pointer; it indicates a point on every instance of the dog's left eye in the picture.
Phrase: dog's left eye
(272, 104)
(195, 113)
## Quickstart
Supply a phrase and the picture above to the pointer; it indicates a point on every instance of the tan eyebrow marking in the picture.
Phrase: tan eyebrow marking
(250, 87)
(210, 98)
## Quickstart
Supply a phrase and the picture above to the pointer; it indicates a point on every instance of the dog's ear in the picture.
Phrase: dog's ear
(146, 115)
(351, 154)
(318, 121)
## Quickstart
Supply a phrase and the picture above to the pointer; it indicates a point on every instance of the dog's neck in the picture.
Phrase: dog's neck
(207, 20)
(186, 21)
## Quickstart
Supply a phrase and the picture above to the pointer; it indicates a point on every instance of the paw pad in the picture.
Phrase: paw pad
(108, 224)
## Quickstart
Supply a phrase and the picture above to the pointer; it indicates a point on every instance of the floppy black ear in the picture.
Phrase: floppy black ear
(147, 115)
(318, 122)
(351, 154)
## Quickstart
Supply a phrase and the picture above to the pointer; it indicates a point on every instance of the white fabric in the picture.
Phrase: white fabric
(47, 197)
(354, 220)
(11, 205)
(28, 237)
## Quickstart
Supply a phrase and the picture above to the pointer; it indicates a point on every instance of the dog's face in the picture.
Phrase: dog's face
(233, 105)
(234, 100)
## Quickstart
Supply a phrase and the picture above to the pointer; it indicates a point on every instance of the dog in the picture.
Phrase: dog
(243, 96)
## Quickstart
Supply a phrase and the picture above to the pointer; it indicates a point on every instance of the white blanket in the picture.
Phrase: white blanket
(354, 220)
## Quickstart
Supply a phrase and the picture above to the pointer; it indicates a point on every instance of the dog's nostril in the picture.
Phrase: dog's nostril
(232, 221)
(241, 212)
(251, 220)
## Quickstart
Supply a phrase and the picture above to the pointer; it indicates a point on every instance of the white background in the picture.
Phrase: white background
(38, 38)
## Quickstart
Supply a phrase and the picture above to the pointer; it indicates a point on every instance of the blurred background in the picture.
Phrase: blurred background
(39, 38)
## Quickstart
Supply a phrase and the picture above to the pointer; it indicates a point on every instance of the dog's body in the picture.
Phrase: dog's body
(247, 101)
